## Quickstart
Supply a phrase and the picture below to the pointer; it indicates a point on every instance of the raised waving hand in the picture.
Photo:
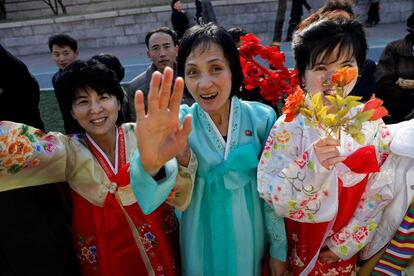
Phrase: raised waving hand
(159, 133)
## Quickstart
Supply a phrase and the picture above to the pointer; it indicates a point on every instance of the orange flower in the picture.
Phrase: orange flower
(344, 76)
(293, 104)
(376, 105)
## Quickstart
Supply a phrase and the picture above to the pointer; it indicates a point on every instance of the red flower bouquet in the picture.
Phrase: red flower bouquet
(274, 84)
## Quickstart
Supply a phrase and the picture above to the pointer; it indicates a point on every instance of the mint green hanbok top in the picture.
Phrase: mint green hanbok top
(226, 227)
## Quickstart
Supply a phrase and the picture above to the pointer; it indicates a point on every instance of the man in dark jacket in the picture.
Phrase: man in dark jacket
(35, 233)
(64, 50)
(162, 45)
(395, 77)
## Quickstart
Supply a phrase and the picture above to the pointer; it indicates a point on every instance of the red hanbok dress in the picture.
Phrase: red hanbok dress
(112, 235)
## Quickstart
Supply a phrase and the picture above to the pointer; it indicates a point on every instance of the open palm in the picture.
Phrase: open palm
(159, 134)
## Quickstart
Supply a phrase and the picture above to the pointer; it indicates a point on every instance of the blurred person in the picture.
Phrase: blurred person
(199, 11)
(179, 18)
(296, 13)
(208, 12)
(64, 50)
(373, 13)
(395, 76)
(35, 237)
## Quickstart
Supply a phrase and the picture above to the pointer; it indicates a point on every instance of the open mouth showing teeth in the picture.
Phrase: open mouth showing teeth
(98, 121)
(209, 96)
(329, 92)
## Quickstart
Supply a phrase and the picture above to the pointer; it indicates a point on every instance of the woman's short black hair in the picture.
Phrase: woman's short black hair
(111, 62)
(81, 75)
(318, 40)
(203, 36)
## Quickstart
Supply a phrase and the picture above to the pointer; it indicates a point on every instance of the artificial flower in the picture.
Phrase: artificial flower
(319, 115)
(376, 105)
(293, 104)
(274, 84)
(344, 76)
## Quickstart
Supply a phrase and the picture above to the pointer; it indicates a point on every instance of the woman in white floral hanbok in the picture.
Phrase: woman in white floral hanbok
(320, 185)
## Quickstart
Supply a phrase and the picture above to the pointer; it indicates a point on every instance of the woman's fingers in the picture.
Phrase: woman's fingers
(327, 141)
(177, 96)
(327, 152)
(165, 89)
(139, 105)
(329, 163)
(152, 99)
(186, 126)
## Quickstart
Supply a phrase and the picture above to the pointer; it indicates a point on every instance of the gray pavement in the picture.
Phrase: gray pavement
(135, 61)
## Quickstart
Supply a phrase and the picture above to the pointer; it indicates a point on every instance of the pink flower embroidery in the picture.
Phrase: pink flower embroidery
(297, 214)
(50, 147)
(384, 132)
(303, 161)
(341, 237)
(360, 234)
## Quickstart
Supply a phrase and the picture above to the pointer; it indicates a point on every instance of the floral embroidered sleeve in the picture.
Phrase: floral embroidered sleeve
(359, 231)
(291, 180)
(29, 157)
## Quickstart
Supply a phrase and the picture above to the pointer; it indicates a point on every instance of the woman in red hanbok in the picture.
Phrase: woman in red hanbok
(112, 235)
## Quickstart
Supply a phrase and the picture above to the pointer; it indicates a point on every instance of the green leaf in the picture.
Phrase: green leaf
(311, 166)
(366, 115)
(343, 112)
(359, 137)
(339, 100)
(292, 203)
(343, 250)
(330, 120)
(14, 169)
(317, 101)
(310, 123)
(350, 99)
(331, 99)
(306, 112)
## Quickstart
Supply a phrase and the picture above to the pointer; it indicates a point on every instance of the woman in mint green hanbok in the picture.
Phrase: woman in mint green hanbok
(223, 230)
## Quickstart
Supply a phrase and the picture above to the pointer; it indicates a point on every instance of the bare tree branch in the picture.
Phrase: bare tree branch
(54, 6)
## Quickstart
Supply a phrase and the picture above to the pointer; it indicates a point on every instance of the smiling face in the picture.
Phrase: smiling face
(208, 78)
(162, 51)
(317, 76)
(96, 114)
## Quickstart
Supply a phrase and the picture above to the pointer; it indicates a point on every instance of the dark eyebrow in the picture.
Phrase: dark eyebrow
(80, 97)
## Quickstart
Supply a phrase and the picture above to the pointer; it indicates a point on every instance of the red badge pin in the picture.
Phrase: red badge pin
(248, 132)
